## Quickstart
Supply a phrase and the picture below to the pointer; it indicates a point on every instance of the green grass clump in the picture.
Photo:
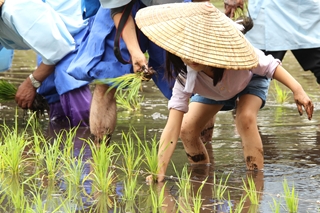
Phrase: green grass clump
(7, 91)
(252, 193)
(127, 89)
(291, 197)
(219, 189)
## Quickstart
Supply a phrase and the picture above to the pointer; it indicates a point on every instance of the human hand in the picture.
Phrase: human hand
(302, 99)
(1, 2)
(139, 61)
(25, 95)
(150, 179)
(230, 6)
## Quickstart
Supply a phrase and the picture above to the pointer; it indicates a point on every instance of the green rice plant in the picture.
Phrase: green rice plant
(281, 95)
(103, 203)
(275, 206)
(150, 151)
(127, 87)
(239, 205)
(197, 200)
(129, 105)
(73, 168)
(52, 159)
(66, 140)
(130, 152)
(219, 189)
(157, 198)
(12, 156)
(7, 91)
(251, 191)
(102, 174)
(291, 197)
(185, 186)
(130, 188)
(15, 194)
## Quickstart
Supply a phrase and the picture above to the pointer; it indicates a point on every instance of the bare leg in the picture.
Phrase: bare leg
(207, 132)
(246, 122)
(103, 112)
(193, 123)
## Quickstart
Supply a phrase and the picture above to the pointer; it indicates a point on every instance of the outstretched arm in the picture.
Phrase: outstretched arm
(300, 96)
(168, 142)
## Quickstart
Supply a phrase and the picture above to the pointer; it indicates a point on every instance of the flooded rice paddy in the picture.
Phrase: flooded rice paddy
(291, 149)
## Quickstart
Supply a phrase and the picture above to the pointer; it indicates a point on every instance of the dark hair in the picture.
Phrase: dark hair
(176, 69)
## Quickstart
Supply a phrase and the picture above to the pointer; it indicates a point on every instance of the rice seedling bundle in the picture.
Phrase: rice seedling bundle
(7, 91)
(128, 86)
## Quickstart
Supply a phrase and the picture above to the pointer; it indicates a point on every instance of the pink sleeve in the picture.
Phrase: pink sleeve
(267, 65)
(179, 99)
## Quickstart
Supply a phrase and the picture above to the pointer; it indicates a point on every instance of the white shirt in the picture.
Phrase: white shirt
(47, 28)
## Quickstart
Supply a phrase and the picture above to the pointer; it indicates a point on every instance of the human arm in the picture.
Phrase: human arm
(26, 91)
(168, 141)
(231, 6)
(129, 36)
(300, 96)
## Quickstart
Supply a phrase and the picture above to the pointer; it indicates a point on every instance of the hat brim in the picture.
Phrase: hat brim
(198, 32)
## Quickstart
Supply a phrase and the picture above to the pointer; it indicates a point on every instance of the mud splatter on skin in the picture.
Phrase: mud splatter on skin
(197, 158)
(250, 163)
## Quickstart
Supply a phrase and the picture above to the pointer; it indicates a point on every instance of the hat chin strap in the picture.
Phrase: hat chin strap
(191, 79)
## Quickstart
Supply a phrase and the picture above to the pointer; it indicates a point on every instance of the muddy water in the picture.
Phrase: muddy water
(291, 142)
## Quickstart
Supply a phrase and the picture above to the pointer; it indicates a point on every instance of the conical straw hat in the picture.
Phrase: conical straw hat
(198, 32)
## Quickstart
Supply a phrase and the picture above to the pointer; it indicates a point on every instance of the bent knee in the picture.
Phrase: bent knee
(245, 120)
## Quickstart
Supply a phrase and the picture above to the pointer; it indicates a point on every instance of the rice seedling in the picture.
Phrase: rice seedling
(52, 159)
(130, 188)
(281, 95)
(130, 151)
(251, 191)
(16, 196)
(239, 205)
(102, 174)
(157, 198)
(184, 185)
(219, 189)
(66, 138)
(7, 91)
(275, 206)
(150, 151)
(73, 169)
(128, 86)
(197, 200)
(291, 197)
(13, 160)
(103, 203)
(129, 105)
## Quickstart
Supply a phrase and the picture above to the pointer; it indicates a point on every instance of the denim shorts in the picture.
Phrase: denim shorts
(257, 86)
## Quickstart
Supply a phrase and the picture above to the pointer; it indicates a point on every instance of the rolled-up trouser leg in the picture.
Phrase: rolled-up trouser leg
(73, 106)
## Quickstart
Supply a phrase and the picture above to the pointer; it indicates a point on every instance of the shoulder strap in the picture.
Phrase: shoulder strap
(123, 20)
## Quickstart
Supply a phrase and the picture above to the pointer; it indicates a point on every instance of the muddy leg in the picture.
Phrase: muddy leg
(193, 123)
(246, 122)
(103, 115)
(207, 132)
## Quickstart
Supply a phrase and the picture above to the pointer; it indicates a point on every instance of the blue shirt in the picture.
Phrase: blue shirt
(47, 28)
(284, 24)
